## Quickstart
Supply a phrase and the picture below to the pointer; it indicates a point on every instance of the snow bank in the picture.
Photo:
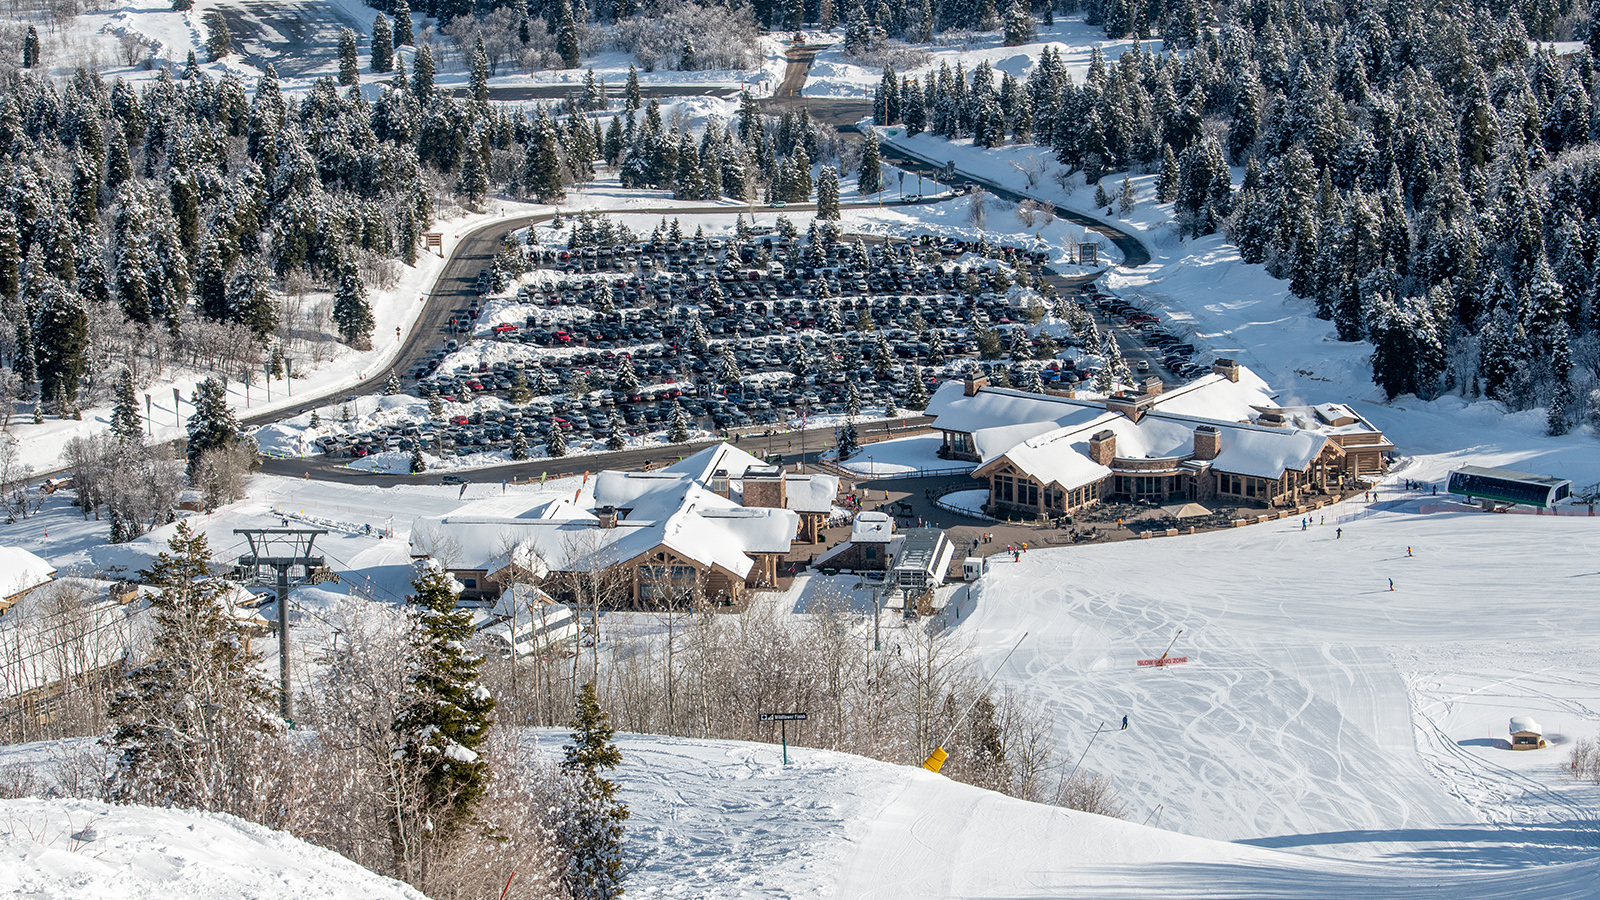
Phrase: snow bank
(71, 849)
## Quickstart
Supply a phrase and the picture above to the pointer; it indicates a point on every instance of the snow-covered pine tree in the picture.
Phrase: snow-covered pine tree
(126, 423)
(678, 432)
(849, 440)
(869, 178)
(828, 193)
(351, 314)
(917, 394)
(555, 442)
(418, 463)
(391, 387)
(627, 377)
(382, 44)
(446, 718)
(519, 446)
(402, 23)
(213, 424)
(191, 721)
(590, 830)
(617, 439)
(349, 66)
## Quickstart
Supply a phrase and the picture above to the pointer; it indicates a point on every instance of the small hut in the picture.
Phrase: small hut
(1525, 734)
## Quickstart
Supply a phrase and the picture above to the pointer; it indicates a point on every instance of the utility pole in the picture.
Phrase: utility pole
(282, 549)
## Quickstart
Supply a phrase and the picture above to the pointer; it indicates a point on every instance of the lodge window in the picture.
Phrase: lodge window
(872, 553)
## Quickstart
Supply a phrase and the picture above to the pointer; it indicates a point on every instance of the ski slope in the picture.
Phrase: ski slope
(1321, 711)
(726, 819)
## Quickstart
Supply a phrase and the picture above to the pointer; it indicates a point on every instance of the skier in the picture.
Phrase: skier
(1338, 533)
(1124, 723)
(1391, 584)
(1408, 551)
(1016, 556)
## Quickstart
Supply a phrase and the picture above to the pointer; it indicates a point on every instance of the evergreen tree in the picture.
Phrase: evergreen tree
(349, 67)
(10, 257)
(519, 446)
(422, 74)
(917, 394)
(219, 41)
(567, 45)
(213, 424)
(828, 193)
(391, 387)
(627, 382)
(478, 82)
(1101, 200)
(24, 360)
(849, 440)
(190, 720)
(555, 442)
(418, 463)
(62, 345)
(591, 832)
(382, 44)
(678, 431)
(541, 168)
(126, 423)
(30, 44)
(1018, 25)
(869, 180)
(616, 440)
(447, 716)
(351, 314)
(402, 23)
(1125, 198)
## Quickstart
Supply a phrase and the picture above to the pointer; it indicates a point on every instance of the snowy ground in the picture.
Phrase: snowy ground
(902, 456)
(1320, 711)
(71, 849)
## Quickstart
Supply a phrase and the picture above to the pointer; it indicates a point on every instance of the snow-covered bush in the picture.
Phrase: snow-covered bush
(722, 39)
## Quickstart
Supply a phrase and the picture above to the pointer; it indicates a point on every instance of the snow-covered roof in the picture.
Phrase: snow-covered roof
(670, 507)
(811, 493)
(872, 528)
(21, 571)
(1520, 724)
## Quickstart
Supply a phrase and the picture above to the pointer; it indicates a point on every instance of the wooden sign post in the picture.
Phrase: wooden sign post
(433, 240)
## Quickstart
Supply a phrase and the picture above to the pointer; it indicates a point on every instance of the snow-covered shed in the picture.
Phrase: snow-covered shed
(1526, 734)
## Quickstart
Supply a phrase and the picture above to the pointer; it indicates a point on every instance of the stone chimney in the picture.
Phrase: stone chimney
(1127, 404)
(1207, 442)
(765, 486)
(1152, 386)
(607, 516)
(1227, 368)
(1103, 447)
(976, 381)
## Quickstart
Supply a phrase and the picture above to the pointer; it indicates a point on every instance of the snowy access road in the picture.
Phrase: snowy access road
(1320, 710)
(298, 38)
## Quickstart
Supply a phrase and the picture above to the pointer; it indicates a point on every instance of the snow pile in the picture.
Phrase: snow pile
(71, 849)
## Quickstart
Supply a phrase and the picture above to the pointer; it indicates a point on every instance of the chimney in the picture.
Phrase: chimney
(976, 381)
(765, 486)
(1152, 386)
(1127, 404)
(1272, 419)
(719, 482)
(1227, 368)
(1103, 447)
(1207, 442)
(607, 516)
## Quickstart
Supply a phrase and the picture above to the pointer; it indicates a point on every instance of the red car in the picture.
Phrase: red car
(458, 420)
(505, 329)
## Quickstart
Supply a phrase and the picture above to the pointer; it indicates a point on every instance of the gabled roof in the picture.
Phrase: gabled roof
(22, 570)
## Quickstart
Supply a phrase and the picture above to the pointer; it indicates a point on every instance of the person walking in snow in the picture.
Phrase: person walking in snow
(1124, 723)
(1391, 584)
(1016, 556)
(1338, 533)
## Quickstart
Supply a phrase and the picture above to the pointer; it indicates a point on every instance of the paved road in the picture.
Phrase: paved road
(614, 91)
(788, 448)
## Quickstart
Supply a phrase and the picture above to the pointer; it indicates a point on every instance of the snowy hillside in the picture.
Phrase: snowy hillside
(727, 819)
(1320, 710)
(72, 849)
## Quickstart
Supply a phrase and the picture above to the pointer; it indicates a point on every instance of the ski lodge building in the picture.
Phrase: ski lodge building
(1220, 438)
(708, 527)
(20, 573)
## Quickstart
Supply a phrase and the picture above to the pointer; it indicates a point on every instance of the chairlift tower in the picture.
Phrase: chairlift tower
(281, 550)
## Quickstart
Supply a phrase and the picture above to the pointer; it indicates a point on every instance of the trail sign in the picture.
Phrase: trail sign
(784, 719)
(1163, 661)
